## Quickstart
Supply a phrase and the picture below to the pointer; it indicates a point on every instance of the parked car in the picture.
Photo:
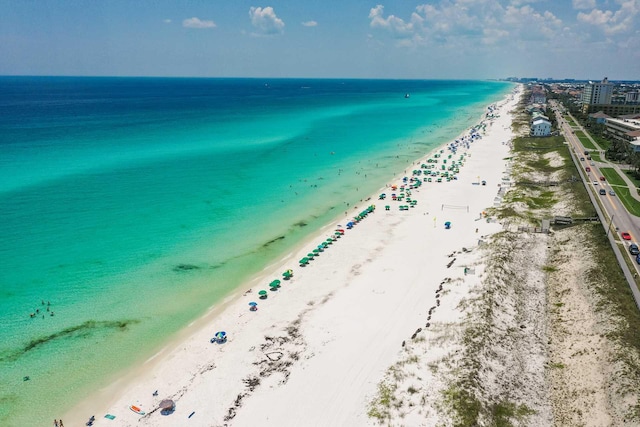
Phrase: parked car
(633, 249)
(625, 235)
(603, 192)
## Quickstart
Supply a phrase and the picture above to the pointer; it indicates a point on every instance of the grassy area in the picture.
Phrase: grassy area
(632, 176)
(595, 157)
(632, 205)
(569, 120)
(603, 143)
(584, 139)
(613, 176)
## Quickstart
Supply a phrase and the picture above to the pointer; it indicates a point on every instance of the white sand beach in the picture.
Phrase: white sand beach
(315, 350)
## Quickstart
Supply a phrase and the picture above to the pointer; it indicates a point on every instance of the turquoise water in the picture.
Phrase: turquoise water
(129, 206)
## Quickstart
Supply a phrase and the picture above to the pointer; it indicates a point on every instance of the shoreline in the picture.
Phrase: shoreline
(137, 383)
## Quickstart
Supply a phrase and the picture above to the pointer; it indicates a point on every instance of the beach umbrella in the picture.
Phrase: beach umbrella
(263, 294)
(287, 274)
(311, 255)
(329, 240)
(275, 284)
(253, 303)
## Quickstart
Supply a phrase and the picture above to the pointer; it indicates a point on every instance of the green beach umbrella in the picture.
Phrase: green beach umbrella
(287, 274)
(275, 283)
(304, 261)
(263, 294)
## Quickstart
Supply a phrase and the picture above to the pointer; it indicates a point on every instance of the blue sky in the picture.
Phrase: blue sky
(584, 39)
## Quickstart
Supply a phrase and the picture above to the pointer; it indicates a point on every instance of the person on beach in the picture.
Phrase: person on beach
(55, 423)
(61, 425)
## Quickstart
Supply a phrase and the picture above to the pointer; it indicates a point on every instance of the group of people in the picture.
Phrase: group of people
(37, 312)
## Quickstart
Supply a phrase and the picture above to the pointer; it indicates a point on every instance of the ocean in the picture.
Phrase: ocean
(130, 206)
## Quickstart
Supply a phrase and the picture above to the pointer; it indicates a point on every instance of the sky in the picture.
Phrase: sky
(397, 39)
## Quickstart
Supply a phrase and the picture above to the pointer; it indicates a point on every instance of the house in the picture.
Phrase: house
(540, 126)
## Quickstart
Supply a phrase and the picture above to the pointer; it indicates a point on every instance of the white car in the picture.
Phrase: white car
(595, 182)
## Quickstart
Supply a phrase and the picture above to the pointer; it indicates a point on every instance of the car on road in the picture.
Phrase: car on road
(593, 164)
(633, 249)
(586, 153)
(625, 235)
(595, 182)
(612, 193)
(602, 178)
(582, 159)
(603, 192)
(638, 259)
(588, 169)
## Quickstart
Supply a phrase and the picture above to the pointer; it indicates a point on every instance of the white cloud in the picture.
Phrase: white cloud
(265, 20)
(595, 17)
(167, 21)
(618, 22)
(197, 23)
(396, 26)
(463, 24)
(310, 24)
(584, 4)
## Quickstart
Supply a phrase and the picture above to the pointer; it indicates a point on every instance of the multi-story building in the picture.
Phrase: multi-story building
(540, 126)
(613, 110)
(632, 97)
(598, 93)
(625, 129)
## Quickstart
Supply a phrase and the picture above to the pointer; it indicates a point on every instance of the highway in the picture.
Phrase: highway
(617, 218)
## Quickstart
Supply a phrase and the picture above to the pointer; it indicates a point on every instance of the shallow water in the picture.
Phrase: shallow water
(129, 206)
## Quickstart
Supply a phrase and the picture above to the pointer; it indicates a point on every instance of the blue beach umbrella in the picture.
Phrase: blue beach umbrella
(253, 303)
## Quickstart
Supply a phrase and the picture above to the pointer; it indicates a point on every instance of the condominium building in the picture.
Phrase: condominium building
(597, 93)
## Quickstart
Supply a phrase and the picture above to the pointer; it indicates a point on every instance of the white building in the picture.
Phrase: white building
(632, 97)
(625, 129)
(597, 93)
(540, 126)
